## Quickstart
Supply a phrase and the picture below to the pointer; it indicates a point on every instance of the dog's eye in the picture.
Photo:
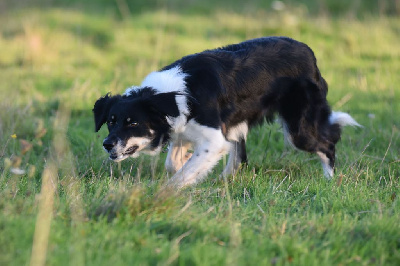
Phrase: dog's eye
(111, 121)
(133, 124)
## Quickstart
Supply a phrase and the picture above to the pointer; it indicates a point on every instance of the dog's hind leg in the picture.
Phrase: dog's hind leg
(316, 142)
(308, 122)
(328, 163)
(331, 134)
(237, 156)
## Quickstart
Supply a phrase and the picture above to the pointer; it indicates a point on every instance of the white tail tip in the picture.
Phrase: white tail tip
(343, 119)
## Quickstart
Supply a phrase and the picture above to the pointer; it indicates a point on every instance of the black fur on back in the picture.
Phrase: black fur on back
(226, 84)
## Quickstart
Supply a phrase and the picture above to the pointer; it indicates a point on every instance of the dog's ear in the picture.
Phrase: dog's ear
(164, 103)
(101, 109)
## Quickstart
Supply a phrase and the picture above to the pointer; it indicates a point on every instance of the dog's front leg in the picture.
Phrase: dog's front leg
(177, 155)
(237, 156)
(205, 156)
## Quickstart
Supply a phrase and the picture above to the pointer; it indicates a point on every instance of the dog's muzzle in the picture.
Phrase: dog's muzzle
(116, 151)
(109, 144)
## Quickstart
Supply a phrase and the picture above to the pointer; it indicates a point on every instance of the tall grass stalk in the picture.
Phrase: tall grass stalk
(60, 161)
(45, 215)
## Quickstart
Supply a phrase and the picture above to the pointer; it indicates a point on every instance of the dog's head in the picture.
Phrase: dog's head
(136, 122)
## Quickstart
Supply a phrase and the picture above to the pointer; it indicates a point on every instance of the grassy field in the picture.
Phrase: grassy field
(62, 202)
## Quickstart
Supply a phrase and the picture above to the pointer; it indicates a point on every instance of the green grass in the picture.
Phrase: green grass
(58, 57)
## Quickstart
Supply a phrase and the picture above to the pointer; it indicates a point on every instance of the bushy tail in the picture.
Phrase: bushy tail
(343, 119)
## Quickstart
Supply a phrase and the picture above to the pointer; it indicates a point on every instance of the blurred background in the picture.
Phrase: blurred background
(76, 51)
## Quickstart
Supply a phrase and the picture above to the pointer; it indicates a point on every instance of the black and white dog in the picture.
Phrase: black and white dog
(207, 102)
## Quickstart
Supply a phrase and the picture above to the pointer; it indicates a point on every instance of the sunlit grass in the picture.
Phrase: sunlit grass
(277, 210)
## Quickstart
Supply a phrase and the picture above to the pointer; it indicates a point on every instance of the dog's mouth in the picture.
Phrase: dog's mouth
(131, 150)
(119, 157)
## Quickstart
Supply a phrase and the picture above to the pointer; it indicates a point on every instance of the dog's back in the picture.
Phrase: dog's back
(230, 81)
(277, 51)
(264, 58)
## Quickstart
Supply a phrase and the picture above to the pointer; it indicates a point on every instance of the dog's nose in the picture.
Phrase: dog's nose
(109, 144)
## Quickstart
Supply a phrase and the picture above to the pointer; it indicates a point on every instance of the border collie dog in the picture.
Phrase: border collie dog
(207, 102)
